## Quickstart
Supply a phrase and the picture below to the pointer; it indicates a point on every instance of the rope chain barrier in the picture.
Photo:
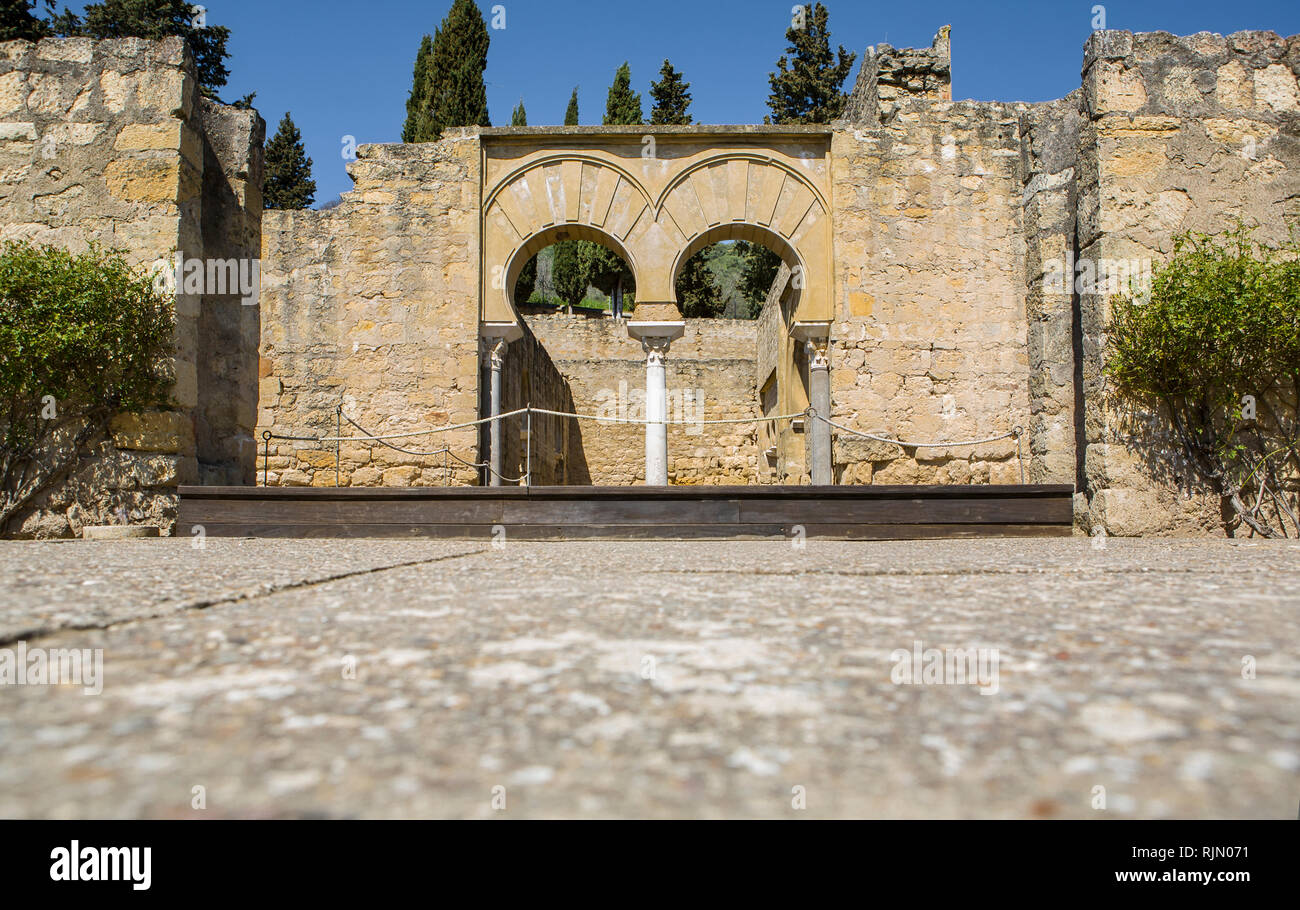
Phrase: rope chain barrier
(811, 413)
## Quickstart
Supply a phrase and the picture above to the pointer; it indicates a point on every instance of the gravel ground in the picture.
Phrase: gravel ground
(264, 678)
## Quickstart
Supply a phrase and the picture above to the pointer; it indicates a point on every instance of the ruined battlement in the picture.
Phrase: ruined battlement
(890, 77)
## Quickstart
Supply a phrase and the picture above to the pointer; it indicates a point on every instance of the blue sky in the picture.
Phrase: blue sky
(343, 67)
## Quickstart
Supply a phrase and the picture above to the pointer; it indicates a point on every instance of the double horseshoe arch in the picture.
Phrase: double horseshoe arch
(656, 212)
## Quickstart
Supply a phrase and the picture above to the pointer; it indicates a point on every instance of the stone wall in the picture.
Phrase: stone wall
(929, 337)
(1178, 134)
(373, 305)
(1049, 163)
(110, 142)
(782, 383)
(709, 374)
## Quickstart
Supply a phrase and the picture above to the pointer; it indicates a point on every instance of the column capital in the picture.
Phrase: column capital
(656, 348)
(494, 348)
(819, 357)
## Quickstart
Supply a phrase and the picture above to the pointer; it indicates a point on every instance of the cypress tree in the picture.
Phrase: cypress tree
(808, 85)
(696, 295)
(761, 266)
(160, 19)
(623, 105)
(571, 112)
(520, 116)
(447, 87)
(671, 97)
(569, 272)
(417, 103)
(288, 170)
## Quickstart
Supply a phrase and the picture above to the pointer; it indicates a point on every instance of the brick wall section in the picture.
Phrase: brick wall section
(1180, 133)
(374, 304)
(603, 366)
(110, 142)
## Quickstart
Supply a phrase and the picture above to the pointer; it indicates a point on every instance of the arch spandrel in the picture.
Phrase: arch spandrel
(766, 185)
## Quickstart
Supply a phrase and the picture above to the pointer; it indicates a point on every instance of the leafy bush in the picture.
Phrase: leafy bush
(82, 337)
(1216, 349)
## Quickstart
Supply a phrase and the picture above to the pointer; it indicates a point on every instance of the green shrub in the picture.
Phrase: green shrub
(1218, 338)
(82, 337)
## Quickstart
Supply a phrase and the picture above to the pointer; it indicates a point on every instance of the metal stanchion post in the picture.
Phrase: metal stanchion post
(266, 454)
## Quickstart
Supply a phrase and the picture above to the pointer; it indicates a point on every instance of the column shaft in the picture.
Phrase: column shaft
(819, 433)
(656, 412)
(496, 358)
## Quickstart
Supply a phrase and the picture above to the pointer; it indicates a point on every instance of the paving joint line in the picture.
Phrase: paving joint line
(265, 590)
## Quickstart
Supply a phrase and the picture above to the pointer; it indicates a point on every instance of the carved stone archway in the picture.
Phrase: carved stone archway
(657, 195)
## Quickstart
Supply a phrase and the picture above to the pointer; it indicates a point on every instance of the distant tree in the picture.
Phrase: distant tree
(569, 272)
(447, 86)
(623, 106)
(17, 23)
(671, 97)
(66, 23)
(156, 19)
(808, 84)
(417, 103)
(288, 170)
(760, 268)
(696, 296)
(571, 112)
(245, 103)
(520, 116)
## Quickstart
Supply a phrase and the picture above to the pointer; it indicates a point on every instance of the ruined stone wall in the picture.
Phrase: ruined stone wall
(605, 372)
(1049, 162)
(1179, 134)
(892, 76)
(782, 383)
(228, 326)
(110, 142)
(373, 305)
(929, 337)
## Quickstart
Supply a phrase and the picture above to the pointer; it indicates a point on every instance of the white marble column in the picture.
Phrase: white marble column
(656, 335)
(495, 336)
(816, 336)
(496, 349)
(819, 395)
(656, 411)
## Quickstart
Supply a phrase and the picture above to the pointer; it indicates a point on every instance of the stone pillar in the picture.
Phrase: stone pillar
(656, 327)
(495, 337)
(817, 338)
(819, 394)
(656, 411)
(496, 348)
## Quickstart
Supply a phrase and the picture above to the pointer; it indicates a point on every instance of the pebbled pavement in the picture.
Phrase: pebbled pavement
(654, 679)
